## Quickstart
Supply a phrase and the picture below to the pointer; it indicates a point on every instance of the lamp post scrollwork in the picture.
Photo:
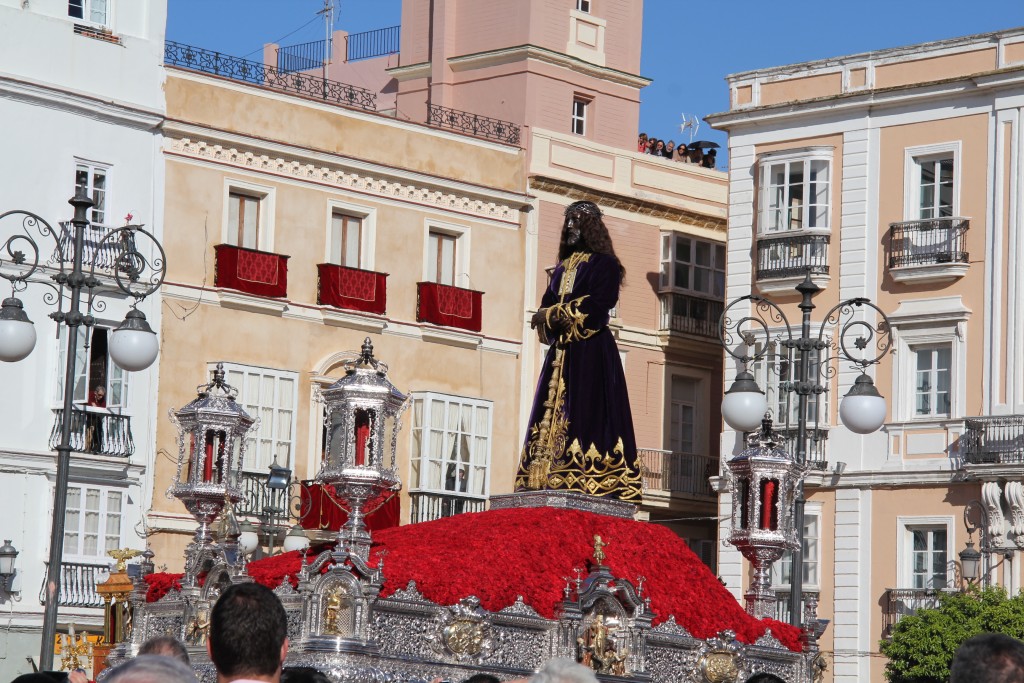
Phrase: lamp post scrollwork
(748, 329)
(126, 263)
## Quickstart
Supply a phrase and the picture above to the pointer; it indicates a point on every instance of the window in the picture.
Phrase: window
(692, 265)
(93, 11)
(795, 190)
(774, 373)
(583, 6)
(928, 556)
(705, 550)
(243, 220)
(271, 396)
(683, 417)
(441, 253)
(579, 115)
(91, 179)
(451, 444)
(932, 380)
(346, 240)
(935, 185)
(93, 368)
(782, 571)
(93, 522)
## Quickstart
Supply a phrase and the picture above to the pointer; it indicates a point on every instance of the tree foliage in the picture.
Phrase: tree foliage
(922, 645)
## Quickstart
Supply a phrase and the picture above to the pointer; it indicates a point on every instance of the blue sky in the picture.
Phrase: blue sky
(688, 46)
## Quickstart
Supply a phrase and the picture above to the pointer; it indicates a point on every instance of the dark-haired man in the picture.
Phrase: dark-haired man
(988, 658)
(248, 638)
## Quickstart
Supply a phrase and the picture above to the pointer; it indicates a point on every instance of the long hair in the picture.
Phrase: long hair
(594, 235)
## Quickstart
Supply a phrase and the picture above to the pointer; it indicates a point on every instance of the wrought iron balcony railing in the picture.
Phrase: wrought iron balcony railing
(208, 61)
(104, 256)
(782, 610)
(993, 439)
(817, 442)
(474, 124)
(690, 314)
(928, 242)
(260, 500)
(77, 585)
(685, 473)
(427, 506)
(97, 431)
(900, 602)
(376, 43)
(792, 255)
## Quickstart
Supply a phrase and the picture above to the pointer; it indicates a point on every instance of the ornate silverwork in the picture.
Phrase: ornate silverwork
(463, 631)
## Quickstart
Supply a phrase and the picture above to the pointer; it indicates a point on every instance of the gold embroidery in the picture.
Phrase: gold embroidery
(548, 438)
(569, 272)
(570, 312)
(590, 471)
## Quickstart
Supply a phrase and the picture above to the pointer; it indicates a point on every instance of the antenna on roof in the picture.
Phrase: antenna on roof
(328, 14)
(691, 122)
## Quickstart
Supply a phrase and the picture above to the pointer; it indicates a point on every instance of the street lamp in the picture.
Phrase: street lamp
(8, 553)
(862, 410)
(976, 564)
(113, 267)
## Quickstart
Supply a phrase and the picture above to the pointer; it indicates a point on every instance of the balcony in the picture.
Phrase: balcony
(448, 306)
(900, 602)
(678, 473)
(430, 506)
(474, 124)
(690, 314)
(77, 585)
(351, 288)
(993, 440)
(932, 250)
(96, 431)
(259, 273)
(817, 441)
(308, 85)
(104, 256)
(782, 610)
(783, 259)
(375, 43)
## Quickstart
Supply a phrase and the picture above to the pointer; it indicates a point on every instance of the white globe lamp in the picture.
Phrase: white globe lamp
(744, 405)
(863, 409)
(17, 333)
(133, 345)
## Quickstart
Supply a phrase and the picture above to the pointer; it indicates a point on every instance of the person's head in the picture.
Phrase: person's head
(670, 145)
(151, 669)
(166, 646)
(643, 137)
(988, 658)
(583, 230)
(681, 150)
(99, 392)
(660, 146)
(248, 633)
(651, 142)
(303, 674)
(482, 678)
(564, 671)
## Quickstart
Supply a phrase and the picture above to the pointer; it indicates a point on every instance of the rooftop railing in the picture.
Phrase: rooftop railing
(474, 124)
(301, 57)
(376, 43)
(208, 61)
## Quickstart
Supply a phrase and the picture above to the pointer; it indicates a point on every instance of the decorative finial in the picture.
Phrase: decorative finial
(219, 374)
(122, 557)
(599, 545)
(367, 351)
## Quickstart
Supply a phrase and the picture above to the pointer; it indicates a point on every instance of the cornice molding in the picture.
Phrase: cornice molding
(410, 72)
(577, 192)
(479, 60)
(54, 97)
(337, 172)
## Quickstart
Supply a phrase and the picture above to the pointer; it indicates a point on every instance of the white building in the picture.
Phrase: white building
(81, 102)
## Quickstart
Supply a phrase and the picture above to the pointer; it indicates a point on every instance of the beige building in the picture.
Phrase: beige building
(896, 176)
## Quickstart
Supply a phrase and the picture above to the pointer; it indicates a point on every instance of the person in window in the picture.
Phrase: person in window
(641, 143)
(580, 435)
(670, 149)
(94, 420)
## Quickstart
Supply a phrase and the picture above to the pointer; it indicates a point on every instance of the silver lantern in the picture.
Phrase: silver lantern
(211, 447)
(363, 418)
(763, 482)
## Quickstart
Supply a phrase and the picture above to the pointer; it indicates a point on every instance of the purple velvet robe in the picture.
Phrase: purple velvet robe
(580, 436)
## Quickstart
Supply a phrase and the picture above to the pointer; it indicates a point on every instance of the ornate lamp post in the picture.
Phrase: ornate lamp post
(211, 448)
(364, 411)
(862, 410)
(114, 267)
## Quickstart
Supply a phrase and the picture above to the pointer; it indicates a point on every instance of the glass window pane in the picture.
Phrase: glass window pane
(337, 237)
(250, 237)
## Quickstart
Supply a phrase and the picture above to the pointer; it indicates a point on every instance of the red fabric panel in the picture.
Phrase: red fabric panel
(352, 288)
(322, 510)
(255, 272)
(769, 520)
(450, 306)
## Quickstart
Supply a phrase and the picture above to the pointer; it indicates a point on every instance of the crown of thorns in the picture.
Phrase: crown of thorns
(585, 208)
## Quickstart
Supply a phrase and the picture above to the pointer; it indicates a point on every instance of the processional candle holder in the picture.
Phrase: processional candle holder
(363, 417)
(211, 448)
(763, 483)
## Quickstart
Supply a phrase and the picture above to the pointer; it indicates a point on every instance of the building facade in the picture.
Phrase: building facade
(81, 100)
(894, 176)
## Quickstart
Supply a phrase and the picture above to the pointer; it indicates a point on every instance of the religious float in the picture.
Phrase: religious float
(541, 574)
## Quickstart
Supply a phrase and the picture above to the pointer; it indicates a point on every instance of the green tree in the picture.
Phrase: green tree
(922, 645)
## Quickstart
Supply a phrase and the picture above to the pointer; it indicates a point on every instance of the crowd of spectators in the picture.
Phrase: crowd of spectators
(683, 153)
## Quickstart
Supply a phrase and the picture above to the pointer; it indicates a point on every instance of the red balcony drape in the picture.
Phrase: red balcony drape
(450, 306)
(261, 273)
(351, 288)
